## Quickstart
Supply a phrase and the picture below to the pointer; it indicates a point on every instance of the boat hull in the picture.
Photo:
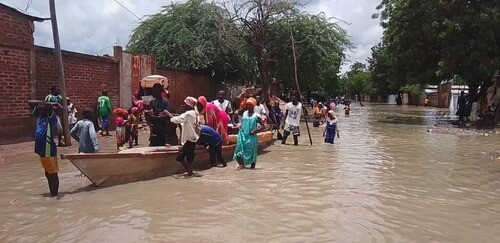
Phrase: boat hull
(109, 169)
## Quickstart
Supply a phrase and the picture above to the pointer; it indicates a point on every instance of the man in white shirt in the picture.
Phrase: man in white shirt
(222, 103)
(189, 121)
(292, 120)
(260, 109)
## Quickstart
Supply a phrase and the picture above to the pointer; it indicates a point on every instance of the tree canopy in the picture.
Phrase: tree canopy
(245, 40)
(320, 45)
(190, 36)
(428, 41)
(357, 80)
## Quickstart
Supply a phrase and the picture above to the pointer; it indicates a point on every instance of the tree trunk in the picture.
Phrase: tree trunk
(264, 78)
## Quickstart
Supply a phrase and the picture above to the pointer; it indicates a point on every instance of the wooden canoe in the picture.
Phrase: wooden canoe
(139, 164)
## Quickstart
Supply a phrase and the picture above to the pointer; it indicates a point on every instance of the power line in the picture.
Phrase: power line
(28, 5)
(128, 10)
(97, 53)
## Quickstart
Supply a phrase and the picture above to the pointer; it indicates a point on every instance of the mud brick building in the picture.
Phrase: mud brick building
(28, 71)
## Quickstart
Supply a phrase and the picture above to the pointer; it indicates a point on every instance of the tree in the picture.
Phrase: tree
(254, 18)
(429, 41)
(357, 80)
(382, 76)
(320, 44)
(190, 36)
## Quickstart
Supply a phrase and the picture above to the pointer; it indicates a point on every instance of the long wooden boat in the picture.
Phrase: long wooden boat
(138, 164)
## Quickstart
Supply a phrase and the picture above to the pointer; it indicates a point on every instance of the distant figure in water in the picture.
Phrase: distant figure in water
(347, 109)
(399, 100)
(331, 128)
(462, 107)
(247, 144)
(427, 101)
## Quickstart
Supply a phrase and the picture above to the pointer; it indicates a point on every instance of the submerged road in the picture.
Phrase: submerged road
(386, 179)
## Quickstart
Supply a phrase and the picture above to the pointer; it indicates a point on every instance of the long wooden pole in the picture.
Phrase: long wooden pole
(60, 72)
(297, 85)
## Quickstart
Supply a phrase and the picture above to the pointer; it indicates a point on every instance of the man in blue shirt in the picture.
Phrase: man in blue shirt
(209, 136)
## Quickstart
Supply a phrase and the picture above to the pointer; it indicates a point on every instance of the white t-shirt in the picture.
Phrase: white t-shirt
(260, 110)
(188, 120)
(226, 105)
(294, 113)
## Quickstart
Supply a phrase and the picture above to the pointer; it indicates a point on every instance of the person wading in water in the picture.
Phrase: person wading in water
(292, 120)
(247, 144)
(189, 120)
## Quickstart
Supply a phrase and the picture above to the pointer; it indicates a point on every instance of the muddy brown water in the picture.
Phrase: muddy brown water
(386, 179)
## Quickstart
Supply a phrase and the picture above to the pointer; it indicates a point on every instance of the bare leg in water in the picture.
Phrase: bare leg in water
(240, 163)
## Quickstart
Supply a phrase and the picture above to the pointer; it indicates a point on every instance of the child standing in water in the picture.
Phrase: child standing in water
(331, 127)
(45, 146)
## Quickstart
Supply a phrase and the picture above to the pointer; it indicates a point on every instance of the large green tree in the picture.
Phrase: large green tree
(320, 45)
(429, 41)
(255, 17)
(194, 35)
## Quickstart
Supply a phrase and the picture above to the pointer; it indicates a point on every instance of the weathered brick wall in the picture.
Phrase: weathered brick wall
(86, 76)
(16, 30)
(16, 39)
(188, 83)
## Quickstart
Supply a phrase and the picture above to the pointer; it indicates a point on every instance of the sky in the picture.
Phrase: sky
(94, 26)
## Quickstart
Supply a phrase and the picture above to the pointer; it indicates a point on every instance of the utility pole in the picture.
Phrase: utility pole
(297, 84)
(60, 72)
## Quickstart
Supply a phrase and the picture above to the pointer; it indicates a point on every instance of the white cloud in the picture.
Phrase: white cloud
(92, 26)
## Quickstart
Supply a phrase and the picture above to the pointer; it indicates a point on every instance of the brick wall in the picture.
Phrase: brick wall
(15, 28)
(16, 39)
(188, 83)
(86, 76)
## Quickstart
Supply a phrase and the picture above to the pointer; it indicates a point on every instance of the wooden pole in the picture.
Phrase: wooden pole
(297, 85)
(60, 72)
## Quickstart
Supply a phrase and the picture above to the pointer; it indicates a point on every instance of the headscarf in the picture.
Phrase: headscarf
(190, 101)
(332, 113)
(251, 101)
(120, 111)
(203, 101)
(134, 109)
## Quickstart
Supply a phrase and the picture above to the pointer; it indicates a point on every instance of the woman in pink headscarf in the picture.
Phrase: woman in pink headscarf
(214, 117)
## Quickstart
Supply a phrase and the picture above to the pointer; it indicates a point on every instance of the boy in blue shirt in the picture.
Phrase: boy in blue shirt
(45, 146)
(209, 136)
(84, 133)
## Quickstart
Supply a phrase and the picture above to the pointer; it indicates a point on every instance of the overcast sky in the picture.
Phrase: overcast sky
(93, 26)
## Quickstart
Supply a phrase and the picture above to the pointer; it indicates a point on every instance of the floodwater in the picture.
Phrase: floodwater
(385, 179)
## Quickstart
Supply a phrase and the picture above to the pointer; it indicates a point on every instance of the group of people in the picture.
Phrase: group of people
(201, 123)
